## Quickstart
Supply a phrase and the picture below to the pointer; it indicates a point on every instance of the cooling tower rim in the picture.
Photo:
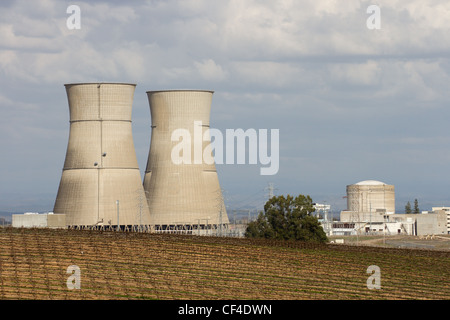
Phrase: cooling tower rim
(98, 83)
(178, 90)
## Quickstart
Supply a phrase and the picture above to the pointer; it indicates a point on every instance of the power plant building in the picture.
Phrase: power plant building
(36, 220)
(101, 185)
(369, 201)
(371, 195)
(181, 181)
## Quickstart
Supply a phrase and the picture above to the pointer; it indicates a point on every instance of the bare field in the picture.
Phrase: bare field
(435, 242)
(33, 264)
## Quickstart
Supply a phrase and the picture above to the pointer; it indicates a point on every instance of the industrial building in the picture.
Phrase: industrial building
(371, 210)
(182, 196)
(432, 223)
(446, 210)
(101, 185)
(369, 200)
(39, 220)
(425, 223)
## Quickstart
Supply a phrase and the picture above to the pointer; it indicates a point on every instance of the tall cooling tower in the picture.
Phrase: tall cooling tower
(101, 184)
(182, 193)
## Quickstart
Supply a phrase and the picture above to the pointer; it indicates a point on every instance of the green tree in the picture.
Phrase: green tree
(416, 207)
(408, 208)
(287, 218)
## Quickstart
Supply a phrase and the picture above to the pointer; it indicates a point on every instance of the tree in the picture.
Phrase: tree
(408, 208)
(416, 207)
(287, 218)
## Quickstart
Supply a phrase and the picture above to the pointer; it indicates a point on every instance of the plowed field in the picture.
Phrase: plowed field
(34, 262)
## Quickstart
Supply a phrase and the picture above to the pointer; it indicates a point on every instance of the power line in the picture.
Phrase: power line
(248, 198)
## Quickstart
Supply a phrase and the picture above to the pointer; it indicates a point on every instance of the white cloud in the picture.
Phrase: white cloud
(360, 74)
(267, 73)
(131, 61)
(10, 40)
(209, 70)
(311, 68)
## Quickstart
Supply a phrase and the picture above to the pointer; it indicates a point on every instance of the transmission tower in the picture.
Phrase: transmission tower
(356, 209)
(270, 188)
(220, 209)
(141, 203)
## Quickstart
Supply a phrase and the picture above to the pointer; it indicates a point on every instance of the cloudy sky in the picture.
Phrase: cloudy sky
(351, 103)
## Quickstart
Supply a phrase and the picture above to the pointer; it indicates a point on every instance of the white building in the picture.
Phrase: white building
(36, 220)
(447, 211)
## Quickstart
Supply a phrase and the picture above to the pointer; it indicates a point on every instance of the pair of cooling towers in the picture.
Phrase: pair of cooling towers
(101, 183)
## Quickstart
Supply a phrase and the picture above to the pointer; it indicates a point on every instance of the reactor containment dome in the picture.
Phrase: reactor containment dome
(371, 195)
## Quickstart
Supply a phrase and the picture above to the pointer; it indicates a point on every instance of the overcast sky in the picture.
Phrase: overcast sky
(351, 103)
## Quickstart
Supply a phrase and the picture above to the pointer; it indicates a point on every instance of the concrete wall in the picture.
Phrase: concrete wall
(432, 223)
(447, 211)
(426, 223)
(56, 220)
(352, 216)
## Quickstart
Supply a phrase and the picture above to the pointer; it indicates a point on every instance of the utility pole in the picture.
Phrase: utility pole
(370, 212)
(118, 225)
(220, 222)
(221, 205)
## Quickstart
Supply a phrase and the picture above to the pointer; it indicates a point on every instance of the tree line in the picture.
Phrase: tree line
(416, 209)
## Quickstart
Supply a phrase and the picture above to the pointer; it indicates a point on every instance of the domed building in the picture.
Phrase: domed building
(370, 195)
(369, 201)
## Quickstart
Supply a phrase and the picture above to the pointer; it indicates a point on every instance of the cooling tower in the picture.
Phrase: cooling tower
(186, 192)
(101, 184)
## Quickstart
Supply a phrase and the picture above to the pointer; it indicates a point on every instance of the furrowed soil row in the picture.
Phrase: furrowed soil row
(33, 265)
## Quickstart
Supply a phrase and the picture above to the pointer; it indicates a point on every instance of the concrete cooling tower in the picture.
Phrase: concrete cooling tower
(101, 184)
(182, 193)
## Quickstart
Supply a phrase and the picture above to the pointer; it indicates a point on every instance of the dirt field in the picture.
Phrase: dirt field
(34, 262)
(436, 242)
